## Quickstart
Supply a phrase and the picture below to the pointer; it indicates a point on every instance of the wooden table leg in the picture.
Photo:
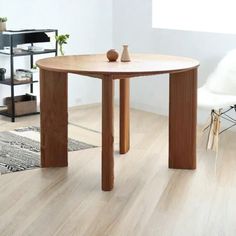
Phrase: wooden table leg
(124, 115)
(107, 133)
(53, 118)
(182, 120)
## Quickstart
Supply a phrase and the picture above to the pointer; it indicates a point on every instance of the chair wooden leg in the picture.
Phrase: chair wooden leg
(213, 137)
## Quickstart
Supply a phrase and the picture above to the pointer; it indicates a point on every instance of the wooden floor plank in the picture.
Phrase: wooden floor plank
(148, 197)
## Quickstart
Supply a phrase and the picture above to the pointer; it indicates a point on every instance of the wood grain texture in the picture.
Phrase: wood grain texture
(183, 120)
(107, 133)
(98, 65)
(124, 115)
(54, 118)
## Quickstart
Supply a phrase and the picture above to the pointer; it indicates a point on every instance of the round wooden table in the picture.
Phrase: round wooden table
(54, 109)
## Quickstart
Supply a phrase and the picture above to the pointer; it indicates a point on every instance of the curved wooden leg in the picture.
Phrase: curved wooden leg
(182, 120)
(124, 115)
(107, 133)
(53, 118)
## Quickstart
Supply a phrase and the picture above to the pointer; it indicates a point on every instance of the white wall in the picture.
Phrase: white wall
(89, 22)
(132, 24)
(97, 25)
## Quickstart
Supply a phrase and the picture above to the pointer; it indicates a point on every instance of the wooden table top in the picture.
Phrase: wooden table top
(98, 65)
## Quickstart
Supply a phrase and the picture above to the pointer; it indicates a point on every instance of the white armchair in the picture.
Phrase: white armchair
(219, 96)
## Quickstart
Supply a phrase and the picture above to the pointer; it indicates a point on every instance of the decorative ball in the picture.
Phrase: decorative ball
(112, 55)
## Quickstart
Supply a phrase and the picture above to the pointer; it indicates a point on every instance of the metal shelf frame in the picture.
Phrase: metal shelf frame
(10, 81)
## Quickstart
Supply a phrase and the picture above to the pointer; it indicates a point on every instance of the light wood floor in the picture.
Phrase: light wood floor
(148, 198)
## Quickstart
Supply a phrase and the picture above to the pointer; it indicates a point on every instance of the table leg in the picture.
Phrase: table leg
(53, 118)
(124, 115)
(107, 133)
(182, 120)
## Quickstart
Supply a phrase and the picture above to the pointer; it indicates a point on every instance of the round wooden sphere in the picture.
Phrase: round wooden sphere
(112, 55)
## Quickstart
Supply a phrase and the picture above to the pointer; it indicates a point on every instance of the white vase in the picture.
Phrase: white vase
(2, 26)
(125, 54)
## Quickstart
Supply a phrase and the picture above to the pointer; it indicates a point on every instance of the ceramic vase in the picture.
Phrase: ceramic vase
(3, 26)
(125, 54)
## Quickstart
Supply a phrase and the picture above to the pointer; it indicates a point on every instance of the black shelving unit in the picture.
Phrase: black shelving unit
(13, 38)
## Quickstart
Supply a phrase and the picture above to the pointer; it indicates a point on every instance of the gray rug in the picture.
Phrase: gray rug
(20, 149)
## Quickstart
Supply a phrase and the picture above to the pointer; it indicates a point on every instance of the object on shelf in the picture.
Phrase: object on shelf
(112, 55)
(17, 50)
(125, 54)
(2, 74)
(35, 49)
(29, 49)
(23, 75)
(61, 40)
(24, 51)
(3, 26)
(24, 104)
(5, 51)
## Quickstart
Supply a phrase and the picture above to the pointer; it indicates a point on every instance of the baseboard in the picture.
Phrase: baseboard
(84, 106)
